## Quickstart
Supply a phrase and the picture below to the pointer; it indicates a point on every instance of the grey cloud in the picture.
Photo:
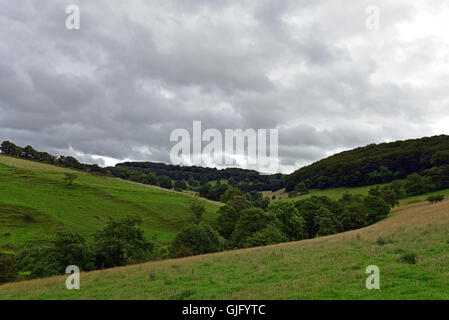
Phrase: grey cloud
(135, 71)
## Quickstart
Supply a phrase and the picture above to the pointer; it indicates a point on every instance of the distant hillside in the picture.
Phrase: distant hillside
(246, 180)
(372, 164)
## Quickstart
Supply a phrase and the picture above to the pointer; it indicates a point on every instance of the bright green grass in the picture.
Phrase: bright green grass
(325, 268)
(37, 191)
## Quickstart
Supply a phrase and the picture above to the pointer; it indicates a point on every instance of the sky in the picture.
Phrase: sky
(328, 75)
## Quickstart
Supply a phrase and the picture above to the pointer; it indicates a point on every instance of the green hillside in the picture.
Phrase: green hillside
(373, 164)
(35, 202)
(331, 267)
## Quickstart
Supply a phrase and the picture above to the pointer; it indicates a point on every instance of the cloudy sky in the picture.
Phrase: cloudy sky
(318, 71)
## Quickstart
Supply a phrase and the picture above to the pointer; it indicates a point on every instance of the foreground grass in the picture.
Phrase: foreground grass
(35, 202)
(332, 267)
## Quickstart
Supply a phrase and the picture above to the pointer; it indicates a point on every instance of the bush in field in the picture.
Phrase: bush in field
(230, 193)
(251, 220)
(121, 242)
(293, 224)
(39, 262)
(196, 239)
(408, 258)
(376, 208)
(70, 177)
(416, 185)
(435, 199)
(8, 268)
(197, 207)
(72, 249)
(239, 203)
(66, 249)
(226, 221)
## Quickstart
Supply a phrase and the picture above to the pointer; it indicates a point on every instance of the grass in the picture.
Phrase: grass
(333, 193)
(35, 202)
(331, 267)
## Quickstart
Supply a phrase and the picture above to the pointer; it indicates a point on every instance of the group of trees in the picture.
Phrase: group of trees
(373, 164)
(246, 180)
(119, 243)
(224, 192)
(28, 152)
(240, 224)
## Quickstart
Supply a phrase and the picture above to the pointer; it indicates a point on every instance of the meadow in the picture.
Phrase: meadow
(36, 202)
(331, 267)
(332, 193)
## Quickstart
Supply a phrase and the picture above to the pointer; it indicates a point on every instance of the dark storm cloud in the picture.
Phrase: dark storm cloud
(135, 71)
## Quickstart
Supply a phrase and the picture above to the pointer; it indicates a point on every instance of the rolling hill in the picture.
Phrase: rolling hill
(331, 267)
(372, 164)
(35, 202)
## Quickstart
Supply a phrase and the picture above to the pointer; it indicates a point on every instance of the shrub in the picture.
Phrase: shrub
(121, 242)
(416, 184)
(381, 241)
(327, 223)
(353, 216)
(28, 217)
(251, 220)
(239, 203)
(269, 235)
(72, 249)
(66, 249)
(376, 208)
(226, 221)
(8, 268)
(180, 185)
(39, 262)
(409, 258)
(197, 207)
(435, 199)
(293, 224)
(70, 177)
(196, 239)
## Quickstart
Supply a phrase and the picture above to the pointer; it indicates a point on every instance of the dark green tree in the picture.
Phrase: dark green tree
(121, 242)
(8, 268)
(226, 221)
(197, 239)
(376, 208)
(293, 224)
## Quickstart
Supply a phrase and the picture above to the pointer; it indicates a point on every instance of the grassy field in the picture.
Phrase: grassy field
(35, 202)
(334, 193)
(332, 267)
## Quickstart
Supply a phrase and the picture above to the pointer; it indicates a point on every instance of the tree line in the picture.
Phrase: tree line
(158, 174)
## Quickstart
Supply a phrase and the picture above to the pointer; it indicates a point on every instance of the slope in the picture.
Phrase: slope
(332, 267)
(35, 202)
